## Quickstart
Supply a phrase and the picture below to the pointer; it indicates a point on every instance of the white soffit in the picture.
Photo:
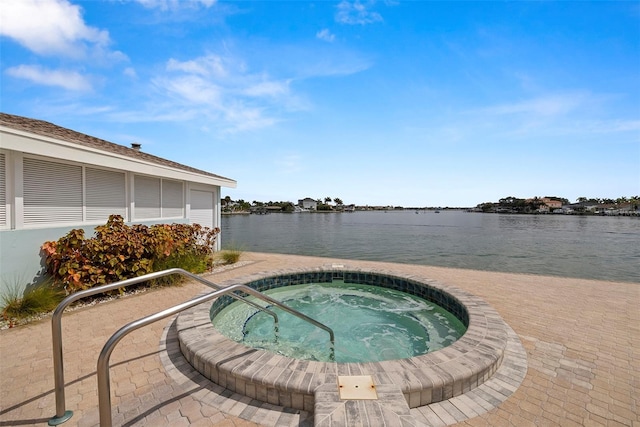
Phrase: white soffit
(35, 144)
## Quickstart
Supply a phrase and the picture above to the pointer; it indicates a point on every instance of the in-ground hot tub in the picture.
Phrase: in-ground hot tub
(290, 382)
(370, 323)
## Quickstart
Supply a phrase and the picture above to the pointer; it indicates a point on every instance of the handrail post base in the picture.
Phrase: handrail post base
(56, 421)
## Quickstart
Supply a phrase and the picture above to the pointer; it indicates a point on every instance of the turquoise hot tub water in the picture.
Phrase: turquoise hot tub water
(370, 323)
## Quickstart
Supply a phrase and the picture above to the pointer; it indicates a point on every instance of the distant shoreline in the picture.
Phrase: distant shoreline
(373, 209)
(438, 210)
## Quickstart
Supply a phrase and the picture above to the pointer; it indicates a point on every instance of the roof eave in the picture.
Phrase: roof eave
(14, 139)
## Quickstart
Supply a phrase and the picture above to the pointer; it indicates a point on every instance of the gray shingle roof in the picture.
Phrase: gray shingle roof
(40, 127)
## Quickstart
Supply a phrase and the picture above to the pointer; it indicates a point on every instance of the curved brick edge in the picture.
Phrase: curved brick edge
(471, 404)
(489, 395)
(279, 380)
(185, 377)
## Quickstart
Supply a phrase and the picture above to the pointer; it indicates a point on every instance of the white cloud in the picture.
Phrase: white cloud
(550, 115)
(210, 65)
(267, 89)
(232, 96)
(545, 106)
(625, 125)
(341, 64)
(192, 89)
(130, 72)
(175, 4)
(70, 80)
(244, 118)
(223, 89)
(325, 35)
(356, 13)
(50, 27)
(608, 126)
(158, 112)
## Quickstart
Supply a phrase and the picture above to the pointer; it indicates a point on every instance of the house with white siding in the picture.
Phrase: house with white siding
(308, 203)
(54, 179)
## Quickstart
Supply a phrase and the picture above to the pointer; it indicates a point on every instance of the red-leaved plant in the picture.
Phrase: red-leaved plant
(118, 252)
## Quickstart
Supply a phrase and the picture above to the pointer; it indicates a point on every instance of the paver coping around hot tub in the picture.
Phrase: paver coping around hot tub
(283, 381)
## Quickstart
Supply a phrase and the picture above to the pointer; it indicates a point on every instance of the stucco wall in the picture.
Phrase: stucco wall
(21, 263)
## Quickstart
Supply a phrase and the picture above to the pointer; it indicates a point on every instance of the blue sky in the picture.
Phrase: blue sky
(381, 103)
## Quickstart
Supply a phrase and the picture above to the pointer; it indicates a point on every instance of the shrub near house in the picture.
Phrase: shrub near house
(119, 252)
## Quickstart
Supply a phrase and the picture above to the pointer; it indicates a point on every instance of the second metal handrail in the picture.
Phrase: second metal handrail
(62, 415)
(102, 368)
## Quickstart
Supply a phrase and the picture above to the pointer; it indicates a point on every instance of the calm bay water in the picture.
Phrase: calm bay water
(591, 247)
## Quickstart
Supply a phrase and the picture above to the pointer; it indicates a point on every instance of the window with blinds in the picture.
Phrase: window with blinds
(3, 190)
(64, 193)
(105, 194)
(202, 208)
(172, 199)
(146, 197)
(52, 192)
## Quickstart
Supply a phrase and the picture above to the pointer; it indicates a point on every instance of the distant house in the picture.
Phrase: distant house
(627, 209)
(308, 203)
(551, 204)
(54, 179)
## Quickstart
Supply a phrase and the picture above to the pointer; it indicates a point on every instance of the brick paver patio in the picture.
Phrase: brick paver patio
(582, 340)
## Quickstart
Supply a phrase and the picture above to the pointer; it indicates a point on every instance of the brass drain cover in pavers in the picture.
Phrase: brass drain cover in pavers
(357, 387)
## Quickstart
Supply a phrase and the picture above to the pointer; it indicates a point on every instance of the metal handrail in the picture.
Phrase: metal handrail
(302, 316)
(277, 303)
(102, 368)
(62, 414)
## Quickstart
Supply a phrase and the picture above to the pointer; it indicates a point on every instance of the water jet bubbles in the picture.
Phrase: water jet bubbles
(370, 324)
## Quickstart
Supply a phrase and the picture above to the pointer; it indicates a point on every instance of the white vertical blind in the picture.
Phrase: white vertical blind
(55, 192)
(146, 197)
(201, 208)
(52, 192)
(105, 194)
(172, 199)
(3, 190)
